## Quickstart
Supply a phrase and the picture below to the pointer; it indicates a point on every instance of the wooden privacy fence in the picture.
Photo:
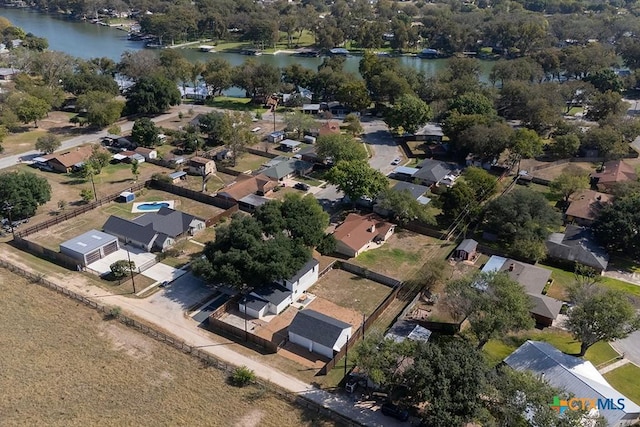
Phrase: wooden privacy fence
(191, 194)
(368, 274)
(75, 212)
(177, 343)
(226, 214)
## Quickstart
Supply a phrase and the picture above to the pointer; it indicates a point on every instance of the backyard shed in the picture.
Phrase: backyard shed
(126, 197)
(466, 250)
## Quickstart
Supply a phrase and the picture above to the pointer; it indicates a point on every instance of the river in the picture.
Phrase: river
(86, 40)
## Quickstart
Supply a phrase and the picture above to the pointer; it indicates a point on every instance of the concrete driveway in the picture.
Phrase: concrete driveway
(630, 347)
(138, 256)
(180, 295)
(385, 150)
(163, 272)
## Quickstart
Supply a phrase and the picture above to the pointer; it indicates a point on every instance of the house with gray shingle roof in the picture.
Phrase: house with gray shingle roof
(154, 231)
(432, 172)
(318, 333)
(287, 169)
(577, 244)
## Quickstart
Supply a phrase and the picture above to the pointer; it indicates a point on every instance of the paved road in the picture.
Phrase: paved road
(385, 150)
(630, 347)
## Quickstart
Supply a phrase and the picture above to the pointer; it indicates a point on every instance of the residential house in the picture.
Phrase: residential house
(585, 206)
(577, 244)
(612, 173)
(245, 185)
(251, 202)
(201, 166)
(417, 192)
(327, 128)
(335, 108)
(430, 132)
(155, 231)
(577, 377)
(310, 108)
(533, 279)
(433, 172)
(147, 153)
(466, 250)
(309, 154)
(318, 333)
(89, 247)
(404, 173)
(129, 156)
(287, 169)
(265, 301)
(304, 278)
(360, 233)
(67, 161)
(289, 145)
(8, 73)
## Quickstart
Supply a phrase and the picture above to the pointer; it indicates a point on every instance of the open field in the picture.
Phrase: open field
(625, 380)
(496, 350)
(62, 374)
(249, 162)
(56, 122)
(94, 219)
(562, 279)
(214, 183)
(403, 254)
(350, 291)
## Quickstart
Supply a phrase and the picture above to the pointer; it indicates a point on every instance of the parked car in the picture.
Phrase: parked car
(391, 410)
(396, 161)
(301, 186)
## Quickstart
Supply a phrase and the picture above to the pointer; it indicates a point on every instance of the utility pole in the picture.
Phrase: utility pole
(131, 271)
(346, 355)
(8, 207)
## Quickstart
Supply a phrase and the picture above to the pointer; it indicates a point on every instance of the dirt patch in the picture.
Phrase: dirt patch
(132, 343)
(328, 308)
(252, 419)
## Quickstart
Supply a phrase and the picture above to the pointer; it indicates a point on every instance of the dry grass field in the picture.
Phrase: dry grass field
(63, 365)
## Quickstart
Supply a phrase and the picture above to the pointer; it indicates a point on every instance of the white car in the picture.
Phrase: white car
(396, 161)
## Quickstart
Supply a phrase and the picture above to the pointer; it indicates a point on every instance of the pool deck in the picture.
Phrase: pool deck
(136, 206)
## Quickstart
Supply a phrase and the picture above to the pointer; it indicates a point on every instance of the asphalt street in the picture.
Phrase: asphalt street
(630, 347)
(379, 139)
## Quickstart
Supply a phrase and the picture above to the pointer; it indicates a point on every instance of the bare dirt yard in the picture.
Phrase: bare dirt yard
(350, 291)
(69, 367)
(56, 123)
(95, 219)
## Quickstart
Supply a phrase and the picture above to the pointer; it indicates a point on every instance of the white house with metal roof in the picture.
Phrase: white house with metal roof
(90, 247)
(577, 377)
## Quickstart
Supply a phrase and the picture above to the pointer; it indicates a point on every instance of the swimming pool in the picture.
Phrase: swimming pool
(152, 206)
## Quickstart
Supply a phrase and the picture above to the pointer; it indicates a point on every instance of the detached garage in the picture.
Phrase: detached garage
(90, 247)
(318, 333)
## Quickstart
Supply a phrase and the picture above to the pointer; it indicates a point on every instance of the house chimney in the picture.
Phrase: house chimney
(372, 229)
(511, 266)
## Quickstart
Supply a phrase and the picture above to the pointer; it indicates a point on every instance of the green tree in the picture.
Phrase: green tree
(48, 143)
(145, 132)
(570, 181)
(101, 107)
(32, 109)
(242, 376)
(492, 303)
(450, 375)
(565, 146)
(481, 182)
(258, 79)
(459, 200)
(340, 147)
(524, 144)
(240, 135)
(86, 195)
(606, 316)
(152, 95)
(217, 75)
(353, 93)
(617, 226)
(408, 114)
(357, 179)
(380, 358)
(135, 169)
(606, 105)
(217, 126)
(299, 122)
(354, 127)
(404, 207)
(22, 193)
(472, 103)
(605, 80)
(121, 268)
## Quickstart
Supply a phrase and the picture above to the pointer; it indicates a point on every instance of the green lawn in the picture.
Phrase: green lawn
(625, 380)
(237, 104)
(384, 256)
(562, 279)
(496, 350)
(310, 181)
(248, 161)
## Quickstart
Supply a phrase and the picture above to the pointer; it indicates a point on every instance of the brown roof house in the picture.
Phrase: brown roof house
(201, 166)
(147, 153)
(585, 206)
(612, 173)
(359, 233)
(66, 161)
(249, 191)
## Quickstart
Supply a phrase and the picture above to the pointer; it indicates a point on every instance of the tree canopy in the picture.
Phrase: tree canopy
(357, 179)
(338, 147)
(22, 193)
(152, 95)
(618, 225)
(570, 181)
(492, 303)
(404, 207)
(145, 132)
(408, 114)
